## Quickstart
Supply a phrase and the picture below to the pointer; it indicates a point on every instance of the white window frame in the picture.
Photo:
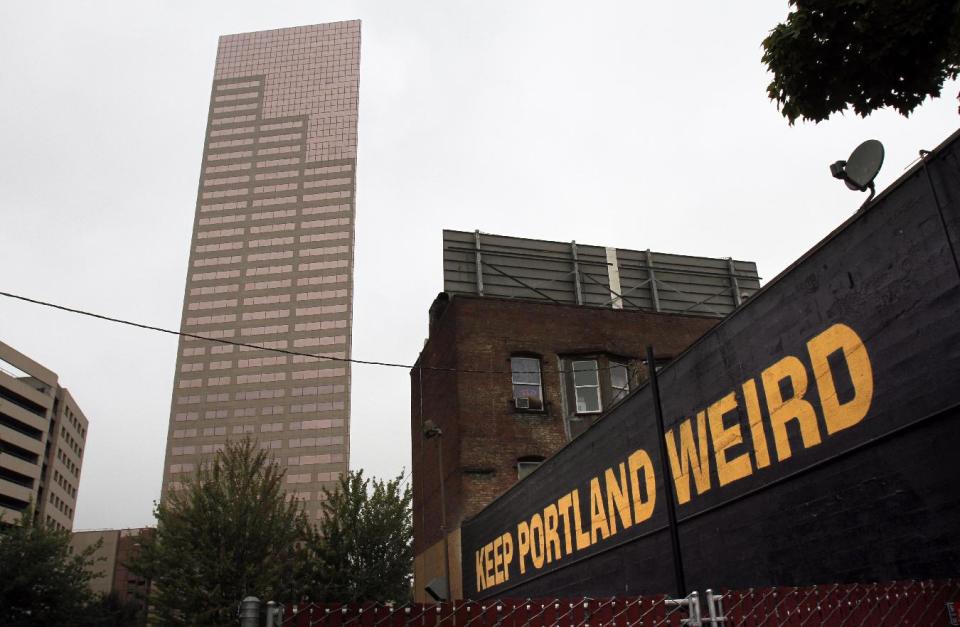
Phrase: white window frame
(596, 386)
(517, 400)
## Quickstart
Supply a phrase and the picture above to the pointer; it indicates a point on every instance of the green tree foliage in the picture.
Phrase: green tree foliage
(229, 533)
(109, 610)
(830, 55)
(41, 582)
(364, 549)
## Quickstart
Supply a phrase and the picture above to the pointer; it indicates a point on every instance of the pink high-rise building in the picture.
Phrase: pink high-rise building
(271, 259)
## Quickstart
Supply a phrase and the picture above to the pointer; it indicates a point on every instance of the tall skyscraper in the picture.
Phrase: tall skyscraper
(271, 259)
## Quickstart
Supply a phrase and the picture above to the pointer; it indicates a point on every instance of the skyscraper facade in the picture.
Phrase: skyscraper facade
(271, 259)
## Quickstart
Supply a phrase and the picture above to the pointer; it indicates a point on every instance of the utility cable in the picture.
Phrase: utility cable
(284, 351)
(150, 327)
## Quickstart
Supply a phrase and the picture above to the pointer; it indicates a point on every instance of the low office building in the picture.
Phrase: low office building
(524, 355)
(42, 439)
(111, 574)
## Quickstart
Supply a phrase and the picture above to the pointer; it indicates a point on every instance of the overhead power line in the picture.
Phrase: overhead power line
(284, 351)
(150, 327)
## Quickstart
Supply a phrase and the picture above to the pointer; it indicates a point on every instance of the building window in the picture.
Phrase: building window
(586, 386)
(619, 381)
(526, 465)
(592, 384)
(527, 385)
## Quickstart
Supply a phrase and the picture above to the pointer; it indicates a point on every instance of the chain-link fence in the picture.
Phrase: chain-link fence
(506, 613)
(897, 603)
(919, 603)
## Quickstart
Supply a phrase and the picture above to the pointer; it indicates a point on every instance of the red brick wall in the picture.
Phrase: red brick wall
(483, 435)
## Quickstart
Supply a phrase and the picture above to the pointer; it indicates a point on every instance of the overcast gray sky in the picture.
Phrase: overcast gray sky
(636, 125)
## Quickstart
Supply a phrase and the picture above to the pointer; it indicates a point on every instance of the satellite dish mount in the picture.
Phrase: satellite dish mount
(859, 171)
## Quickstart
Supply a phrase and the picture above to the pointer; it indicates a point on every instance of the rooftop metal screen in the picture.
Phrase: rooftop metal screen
(513, 267)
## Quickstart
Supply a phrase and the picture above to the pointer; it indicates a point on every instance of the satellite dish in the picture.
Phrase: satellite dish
(859, 171)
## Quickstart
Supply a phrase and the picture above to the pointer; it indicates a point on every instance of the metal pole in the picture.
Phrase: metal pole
(690, 603)
(668, 488)
(576, 273)
(272, 611)
(250, 612)
(443, 518)
(479, 262)
(715, 608)
(654, 294)
(734, 285)
(695, 619)
(613, 278)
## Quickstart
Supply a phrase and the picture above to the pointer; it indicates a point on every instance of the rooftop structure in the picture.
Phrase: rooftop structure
(567, 272)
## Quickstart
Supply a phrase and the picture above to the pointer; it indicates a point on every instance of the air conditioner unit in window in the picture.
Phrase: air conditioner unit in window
(521, 403)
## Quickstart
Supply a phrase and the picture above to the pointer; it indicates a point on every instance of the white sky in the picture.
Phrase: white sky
(634, 125)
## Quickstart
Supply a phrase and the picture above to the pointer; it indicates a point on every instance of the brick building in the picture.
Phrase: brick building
(488, 441)
(529, 344)
(550, 356)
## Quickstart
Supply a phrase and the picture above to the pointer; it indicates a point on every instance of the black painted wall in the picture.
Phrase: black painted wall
(879, 500)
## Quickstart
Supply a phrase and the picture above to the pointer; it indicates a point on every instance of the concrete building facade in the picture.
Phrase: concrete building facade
(271, 259)
(43, 435)
(117, 548)
(510, 382)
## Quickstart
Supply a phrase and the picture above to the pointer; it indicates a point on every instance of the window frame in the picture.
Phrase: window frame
(609, 395)
(532, 462)
(617, 394)
(597, 386)
(538, 385)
